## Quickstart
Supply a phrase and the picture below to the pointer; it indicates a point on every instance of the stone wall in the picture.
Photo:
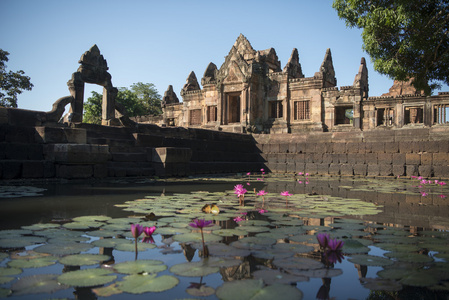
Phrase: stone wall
(405, 152)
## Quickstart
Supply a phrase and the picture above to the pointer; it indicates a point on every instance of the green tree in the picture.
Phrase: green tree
(404, 38)
(148, 93)
(141, 99)
(11, 83)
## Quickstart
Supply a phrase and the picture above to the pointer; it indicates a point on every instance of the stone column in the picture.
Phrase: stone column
(76, 88)
(108, 105)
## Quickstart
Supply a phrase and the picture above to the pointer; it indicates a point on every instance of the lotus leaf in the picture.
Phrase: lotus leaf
(37, 227)
(64, 249)
(304, 238)
(85, 225)
(110, 243)
(256, 243)
(104, 233)
(270, 276)
(91, 218)
(420, 277)
(172, 230)
(36, 284)
(225, 250)
(3, 256)
(378, 284)
(409, 257)
(370, 260)
(140, 266)
(253, 228)
(255, 289)
(68, 239)
(298, 263)
(131, 247)
(352, 246)
(33, 263)
(21, 241)
(194, 269)
(83, 259)
(272, 254)
(4, 279)
(317, 273)
(87, 277)
(230, 232)
(201, 291)
(296, 248)
(9, 271)
(195, 237)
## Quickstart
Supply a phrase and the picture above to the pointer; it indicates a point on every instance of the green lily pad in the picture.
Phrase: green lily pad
(409, 257)
(9, 271)
(33, 263)
(131, 247)
(420, 278)
(255, 289)
(317, 273)
(87, 277)
(220, 249)
(139, 284)
(85, 225)
(91, 218)
(63, 249)
(83, 259)
(253, 228)
(104, 233)
(379, 284)
(3, 256)
(172, 230)
(140, 266)
(370, 260)
(4, 279)
(110, 243)
(296, 248)
(37, 284)
(195, 237)
(201, 291)
(37, 227)
(254, 243)
(230, 232)
(194, 269)
(21, 241)
(107, 291)
(352, 246)
(298, 263)
(271, 276)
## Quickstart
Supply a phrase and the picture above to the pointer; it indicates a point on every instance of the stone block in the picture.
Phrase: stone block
(280, 168)
(373, 170)
(352, 147)
(283, 148)
(50, 135)
(440, 159)
(11, 169)
(334, 169)
(441, 171)
(308, 158)
(376, 147)
(300, 147)
(443, 146)
(411, 170)
(371, 158)
(391, 147)
(291, 167)
(412, 159)
(425, 171)
(311, 168)
(385, 158)
(385, 169)
(274, 148)
(300, 158)
(360, 169)
(75, 135)
(16, 151)
(171, 155)
(323, 169)
(33, 169)
(339, 148)
(399, 169)
(290, 158)
(426, 159)
(35, 151)
(124, 157)
(399, 158)
(49, 169)
(100, 170)
(318, 158)
(346, 169)
(148, 140)
(281, 158)
(292, 148)
(300, 167)
(74, 171)
(312, 148)
(327, 158)
(342, 158)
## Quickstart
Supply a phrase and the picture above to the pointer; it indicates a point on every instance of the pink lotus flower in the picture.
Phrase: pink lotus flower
(249, 173)
(335, 245)
(261, 193)
(259, 179)
(201, 223)
(300, 173)
(442, 196)
(238, 219)
(334, 256)
(262, 211)
(148, 231)
(136, 230)
(261, 170)
(442, 183)
(307, 174)
(323, 239)
(424, 194)
(286, 194)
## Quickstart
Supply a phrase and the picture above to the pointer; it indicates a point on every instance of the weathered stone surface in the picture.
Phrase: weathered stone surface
(171, 155)
(74, 171)
(33, 169)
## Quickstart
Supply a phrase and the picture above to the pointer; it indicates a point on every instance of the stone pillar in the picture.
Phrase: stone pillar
(76, 88)
(108, 105)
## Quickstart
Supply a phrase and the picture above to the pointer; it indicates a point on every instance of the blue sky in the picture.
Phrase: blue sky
(161, 42)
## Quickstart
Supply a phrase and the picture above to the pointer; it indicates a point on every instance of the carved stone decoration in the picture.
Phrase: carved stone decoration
(293, 67)
(191, 84)
(327, 70)
(361, 79)
(209, 74)
(169, 97)
(401, 88)
(93, 69)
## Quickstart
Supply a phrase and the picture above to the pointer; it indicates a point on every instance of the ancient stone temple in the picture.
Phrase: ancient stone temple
(250, 92)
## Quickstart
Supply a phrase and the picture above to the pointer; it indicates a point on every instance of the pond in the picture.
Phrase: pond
(74, 240)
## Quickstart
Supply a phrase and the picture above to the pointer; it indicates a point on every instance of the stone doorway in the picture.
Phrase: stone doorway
(234, 108)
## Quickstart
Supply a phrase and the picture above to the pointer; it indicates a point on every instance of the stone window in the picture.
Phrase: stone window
(212, 113)
(275, 109)
(385, 116)
(171, 121)
(195, 117)
(344, 115)
(413, 115)
(302, 111)
(441, 114)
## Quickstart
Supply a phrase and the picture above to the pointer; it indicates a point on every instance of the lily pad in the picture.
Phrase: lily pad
(107, 291)
(271, 276)
(317, 273)
(63, 249)
(140, 266)
(37, 284)
(83, 259)
(230, 232)
(33, 263)
(409, 257)
(290, 247)
(200, 291)
(194, 269)
(21, 241)
(5, 279)
(370, 260)
(9, 271)
(131, 247)
(110, 243)
(379, 284)
(227, 251)
(91, 218)
(298, 263)
(87, 277)
(37, 227)
(139, 284)
(195, 237)
(255, 289)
